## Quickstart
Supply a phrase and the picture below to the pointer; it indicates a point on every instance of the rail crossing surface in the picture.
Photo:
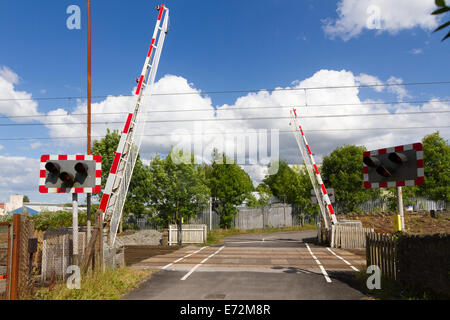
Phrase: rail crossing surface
(253, 266)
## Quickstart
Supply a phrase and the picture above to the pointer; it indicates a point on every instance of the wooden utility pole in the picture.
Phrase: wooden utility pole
(14, 282)
(88, 197)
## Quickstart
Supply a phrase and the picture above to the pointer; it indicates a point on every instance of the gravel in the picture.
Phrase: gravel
(142, 237)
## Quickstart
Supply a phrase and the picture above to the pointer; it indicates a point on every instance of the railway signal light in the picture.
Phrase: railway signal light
(52, 167)
(67, 178)
(394, 167)
(70, 174)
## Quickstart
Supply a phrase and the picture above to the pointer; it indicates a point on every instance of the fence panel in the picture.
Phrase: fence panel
(281, 216)
(381, 251)
(191, 233)
(349, 236)
(57, 252)
(204, 218)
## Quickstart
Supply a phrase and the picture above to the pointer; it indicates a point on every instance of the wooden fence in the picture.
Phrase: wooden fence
(381, 251)
(191, 233)
(349, 236)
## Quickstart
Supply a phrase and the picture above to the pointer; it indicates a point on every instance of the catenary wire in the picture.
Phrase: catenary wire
(229, 119)
(241, 91)
(370, 104)
(234, 132)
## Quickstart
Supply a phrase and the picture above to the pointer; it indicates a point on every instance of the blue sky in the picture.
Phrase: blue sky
(213, 45)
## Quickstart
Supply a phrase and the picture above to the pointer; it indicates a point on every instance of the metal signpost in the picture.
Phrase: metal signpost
(394, 167)
(71, 174)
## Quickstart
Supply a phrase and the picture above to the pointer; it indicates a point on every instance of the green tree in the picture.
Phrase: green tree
(284, 184)
(304, 192)
(176, 188)
(26, 199)
(292, 185)
(138, 188)
(436, 156)
(443, 8)
(229, 184)
(342, 170)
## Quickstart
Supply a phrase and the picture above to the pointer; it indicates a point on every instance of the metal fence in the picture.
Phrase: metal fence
(210, 219)
(280, 216)
(57, 252)
(382, 204)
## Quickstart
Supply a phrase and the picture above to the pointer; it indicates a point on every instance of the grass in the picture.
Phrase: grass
(108, 285)
(392, 290)
(217, 235)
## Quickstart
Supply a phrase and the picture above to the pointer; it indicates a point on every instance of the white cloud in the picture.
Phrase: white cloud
(19, 175)
(365, 79)
(13, 102)
(162, 134)
(416, 51)
(381, 15)
(35, 145)
(400, 91)
(1, 147)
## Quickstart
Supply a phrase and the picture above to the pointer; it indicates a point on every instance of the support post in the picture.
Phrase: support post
(99, 257)
(88, 220)
(75, 228)
(210, 215)
(400, 206)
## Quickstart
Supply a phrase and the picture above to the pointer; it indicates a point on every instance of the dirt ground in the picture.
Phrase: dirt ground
(415, 222)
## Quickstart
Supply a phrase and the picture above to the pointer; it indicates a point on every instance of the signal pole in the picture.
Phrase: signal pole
(400, 207)
(88, 197)
(75, 228)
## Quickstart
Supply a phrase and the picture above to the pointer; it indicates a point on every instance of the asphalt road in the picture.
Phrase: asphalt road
(272, 266)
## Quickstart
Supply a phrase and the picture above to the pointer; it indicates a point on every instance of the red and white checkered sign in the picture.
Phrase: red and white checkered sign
(403, 183)
(98, 173)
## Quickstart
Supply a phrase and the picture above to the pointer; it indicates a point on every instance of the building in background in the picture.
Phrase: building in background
(16, 205)
(15, 202)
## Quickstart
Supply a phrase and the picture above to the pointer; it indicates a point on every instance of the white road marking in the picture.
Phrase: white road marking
(264, 240)
(203, 261)
(186, 256)
(324, 272)
(343, 259)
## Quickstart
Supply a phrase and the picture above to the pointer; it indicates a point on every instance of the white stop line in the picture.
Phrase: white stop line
(186, 256)
(203, 261)
(325, 274)
(343, 259)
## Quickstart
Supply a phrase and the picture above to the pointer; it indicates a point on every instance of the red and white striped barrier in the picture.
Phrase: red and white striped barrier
(149, 55)
(323, 190)
(127, 135)
(98, 173)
